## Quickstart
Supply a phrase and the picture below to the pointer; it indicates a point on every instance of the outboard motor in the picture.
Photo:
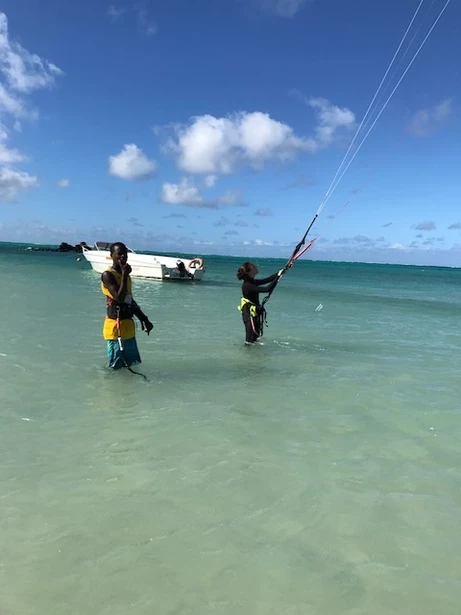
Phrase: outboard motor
(182, 269)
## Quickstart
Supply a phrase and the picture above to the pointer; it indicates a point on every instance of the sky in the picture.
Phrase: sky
(217, 126)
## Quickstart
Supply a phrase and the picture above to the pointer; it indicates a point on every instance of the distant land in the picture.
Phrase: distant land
(65, 247)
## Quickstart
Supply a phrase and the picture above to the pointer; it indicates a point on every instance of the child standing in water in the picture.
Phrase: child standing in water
(249, 304)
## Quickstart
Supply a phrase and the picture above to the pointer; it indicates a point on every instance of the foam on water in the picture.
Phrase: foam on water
(317, 474)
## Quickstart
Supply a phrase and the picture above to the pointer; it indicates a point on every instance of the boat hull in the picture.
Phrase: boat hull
(147, 266)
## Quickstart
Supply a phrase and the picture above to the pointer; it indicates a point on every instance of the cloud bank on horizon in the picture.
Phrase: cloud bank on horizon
(211, 142)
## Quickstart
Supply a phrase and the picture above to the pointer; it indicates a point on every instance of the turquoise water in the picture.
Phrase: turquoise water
(319, 474)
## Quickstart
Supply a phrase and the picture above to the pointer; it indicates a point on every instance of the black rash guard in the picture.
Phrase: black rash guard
(251, 287)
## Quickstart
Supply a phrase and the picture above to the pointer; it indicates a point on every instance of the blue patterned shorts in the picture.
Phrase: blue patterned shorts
(130, 353)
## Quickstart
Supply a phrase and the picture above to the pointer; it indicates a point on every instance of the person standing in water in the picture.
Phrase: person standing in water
(119, 328)
(249, 303)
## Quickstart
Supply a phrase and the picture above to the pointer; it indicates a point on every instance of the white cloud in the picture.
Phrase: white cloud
(132, 164)
(331, 119)
(184, 193)
(147, 25)
(263, 138)
(210, 145)
(12, 182)
(259, 242)
(115, 13)
(427, 120)
(10, 103)
(205, 146)
(23, 71)
(63, 183)
(7, 155)
(203, 242)
(231, 197)
(210, 181)
(282, 8)
(217, 145)
(10, 156)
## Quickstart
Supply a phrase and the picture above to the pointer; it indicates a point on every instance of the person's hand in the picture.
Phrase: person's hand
(147, 326)
(126, 269)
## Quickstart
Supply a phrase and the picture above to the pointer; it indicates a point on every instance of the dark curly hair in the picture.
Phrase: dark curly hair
(243, 272)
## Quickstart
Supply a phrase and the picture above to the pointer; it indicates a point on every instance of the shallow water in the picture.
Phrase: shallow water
(317, 474)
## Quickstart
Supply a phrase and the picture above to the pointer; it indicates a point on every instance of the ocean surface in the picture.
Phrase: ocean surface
(318, 474)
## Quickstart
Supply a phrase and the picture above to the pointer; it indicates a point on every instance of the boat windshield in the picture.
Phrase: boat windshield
(105, 245)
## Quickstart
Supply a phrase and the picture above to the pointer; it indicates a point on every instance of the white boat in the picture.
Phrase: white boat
(147, 265)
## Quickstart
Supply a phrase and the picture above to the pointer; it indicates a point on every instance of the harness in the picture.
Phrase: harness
(119, 311)
(253, 307)
(256, 311)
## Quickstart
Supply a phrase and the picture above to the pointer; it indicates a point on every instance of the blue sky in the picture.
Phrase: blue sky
(216, 126)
